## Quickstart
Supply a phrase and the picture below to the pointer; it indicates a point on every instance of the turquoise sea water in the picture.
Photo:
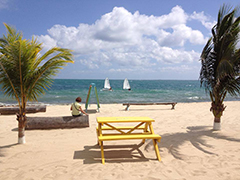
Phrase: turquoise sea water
(64, 91)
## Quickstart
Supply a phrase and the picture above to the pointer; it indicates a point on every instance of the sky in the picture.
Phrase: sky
(118, 39)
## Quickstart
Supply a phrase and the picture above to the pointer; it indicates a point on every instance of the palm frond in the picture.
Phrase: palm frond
(223, 11)
(24, 74)
(220, 59)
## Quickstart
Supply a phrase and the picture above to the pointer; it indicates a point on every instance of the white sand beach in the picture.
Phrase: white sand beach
(189, 148)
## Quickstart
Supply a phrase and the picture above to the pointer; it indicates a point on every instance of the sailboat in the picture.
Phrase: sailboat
(126, 84)
(107, 86)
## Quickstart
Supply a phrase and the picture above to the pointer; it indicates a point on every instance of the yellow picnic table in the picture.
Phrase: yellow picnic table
(142, 129)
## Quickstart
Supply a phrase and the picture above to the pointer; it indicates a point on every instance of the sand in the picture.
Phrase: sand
(189, 148)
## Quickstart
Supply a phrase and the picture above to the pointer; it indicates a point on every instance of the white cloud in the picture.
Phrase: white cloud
(122, 26)
(127, 70)
(120, 39)
(181, 33)
(89, 64)
(205, 20)
(180, 69)
(47, 41)
(173, 56)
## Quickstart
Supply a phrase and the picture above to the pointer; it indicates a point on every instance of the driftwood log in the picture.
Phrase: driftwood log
(59, 122)
(15, 109)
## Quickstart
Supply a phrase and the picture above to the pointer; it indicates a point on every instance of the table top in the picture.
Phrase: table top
(123, 119)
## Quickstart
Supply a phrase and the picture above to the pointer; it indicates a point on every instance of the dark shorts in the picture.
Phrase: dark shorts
(76, 115)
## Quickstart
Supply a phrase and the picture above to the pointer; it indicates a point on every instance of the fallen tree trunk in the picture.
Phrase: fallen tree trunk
(57, 122)
(15, 109)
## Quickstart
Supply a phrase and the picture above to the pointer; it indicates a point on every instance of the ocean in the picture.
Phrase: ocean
(65, 91)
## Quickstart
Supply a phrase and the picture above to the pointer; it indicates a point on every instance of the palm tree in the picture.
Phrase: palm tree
(25, 74)
(220, 58)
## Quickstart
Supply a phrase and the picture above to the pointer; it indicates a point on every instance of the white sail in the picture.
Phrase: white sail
(107, 84)
(126, 84)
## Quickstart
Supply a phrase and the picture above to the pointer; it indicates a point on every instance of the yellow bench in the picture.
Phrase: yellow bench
(112, 137)
(118, 128)
(126, 132)
(121, 127)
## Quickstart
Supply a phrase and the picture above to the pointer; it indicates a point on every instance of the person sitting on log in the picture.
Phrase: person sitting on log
(76, 108)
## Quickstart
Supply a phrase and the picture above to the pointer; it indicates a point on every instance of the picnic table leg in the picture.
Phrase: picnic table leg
(102, 152)
(99, 132)
(156, 149)
(145, 130)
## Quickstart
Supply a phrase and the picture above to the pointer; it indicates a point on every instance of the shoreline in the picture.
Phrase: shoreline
(189, 148)
(83, 104)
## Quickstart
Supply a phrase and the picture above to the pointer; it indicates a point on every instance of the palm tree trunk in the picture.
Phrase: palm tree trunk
(217, 123)
(21, 128)
(21, 134)
(217, 110)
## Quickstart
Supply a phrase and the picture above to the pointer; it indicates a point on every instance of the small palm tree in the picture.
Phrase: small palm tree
(24, 73)
(220, 58)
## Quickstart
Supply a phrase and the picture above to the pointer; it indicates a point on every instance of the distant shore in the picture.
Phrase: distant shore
(83, 103)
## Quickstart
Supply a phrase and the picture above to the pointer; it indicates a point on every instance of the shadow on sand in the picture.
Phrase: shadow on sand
(112, 153)
(132, 153)
(172, 142)
(5, 147)
(195, 135)
(91, 111)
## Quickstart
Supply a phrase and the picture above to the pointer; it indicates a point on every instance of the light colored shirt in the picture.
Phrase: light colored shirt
(75, 108)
